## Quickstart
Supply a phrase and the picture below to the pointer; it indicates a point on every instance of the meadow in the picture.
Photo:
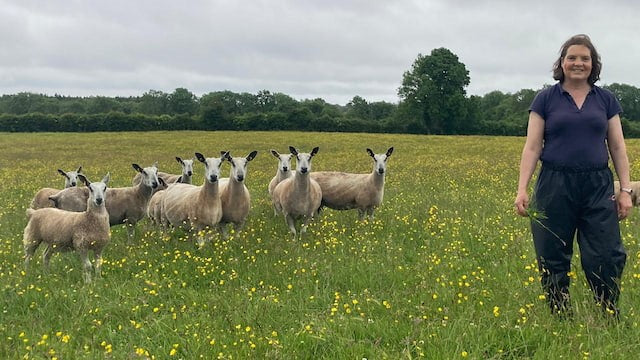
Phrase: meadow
(445, 271)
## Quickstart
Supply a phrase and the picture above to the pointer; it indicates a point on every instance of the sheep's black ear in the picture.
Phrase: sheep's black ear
(200, 157)
(314, 151)
(389, 151)
(179, 160)
(179, 179)
(79, 169)
(252, 155)
(370, 152)
(137, 167)
(84, 180)
(293, 150)
(225, 155)
(61, 172)
(275, 153)
(161, 181)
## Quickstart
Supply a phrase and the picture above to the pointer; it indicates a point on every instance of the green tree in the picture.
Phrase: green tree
(629, 98)
(154, 102)
(433, 91)
(182, 101)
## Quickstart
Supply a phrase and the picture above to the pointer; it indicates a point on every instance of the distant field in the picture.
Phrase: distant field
(446, 270)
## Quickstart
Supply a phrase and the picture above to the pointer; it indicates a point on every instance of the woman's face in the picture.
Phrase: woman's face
(576, 64)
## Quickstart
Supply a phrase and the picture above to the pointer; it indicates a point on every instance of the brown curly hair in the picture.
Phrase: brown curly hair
(596, 65)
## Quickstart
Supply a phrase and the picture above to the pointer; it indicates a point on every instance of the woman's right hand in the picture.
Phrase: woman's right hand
(521, 203)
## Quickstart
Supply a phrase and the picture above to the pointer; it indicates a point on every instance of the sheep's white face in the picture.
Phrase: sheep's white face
(97, 190)
(239, 165)
(187, 166)
(303, 160)
(212, 168)
(284, 161)
(380, 161)
(149, 175)
(70, 177)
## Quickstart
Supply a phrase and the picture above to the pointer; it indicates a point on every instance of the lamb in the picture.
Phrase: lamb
(126, 205)
(283, 172)
(41, 199)
(64, 230)
(195, 207)
(234, 194)
(343, 191)
(185, 177)
(298, 197)
(635, 186)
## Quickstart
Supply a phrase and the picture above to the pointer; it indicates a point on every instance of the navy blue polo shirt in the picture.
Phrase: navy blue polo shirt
(575, 137)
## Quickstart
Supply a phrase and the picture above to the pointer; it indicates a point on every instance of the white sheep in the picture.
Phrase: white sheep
(195, 207)
(634, 185)
(64, 230)
(126, 205)
(185, 177)
(154, 209)
(298, 197)
(343, 191)
(283, 172)
(41, 199)
(234, 195)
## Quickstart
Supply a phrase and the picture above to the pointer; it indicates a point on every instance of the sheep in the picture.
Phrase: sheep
(64, 230)
(154, 209)
(343, 191)
(41, 199)
(195, 207)
(298, 197)
(634, 185)
(185, 177)
(125, 205)
(234, 194)
(283, 172)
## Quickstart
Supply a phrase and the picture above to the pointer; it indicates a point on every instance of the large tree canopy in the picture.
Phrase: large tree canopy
(433, 92)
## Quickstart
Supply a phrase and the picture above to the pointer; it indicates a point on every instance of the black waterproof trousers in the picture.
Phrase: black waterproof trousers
(579, 199)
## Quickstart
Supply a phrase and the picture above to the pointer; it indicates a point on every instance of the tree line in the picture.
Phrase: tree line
(432, 96)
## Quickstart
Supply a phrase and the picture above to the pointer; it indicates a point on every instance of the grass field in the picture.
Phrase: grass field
(445, 271)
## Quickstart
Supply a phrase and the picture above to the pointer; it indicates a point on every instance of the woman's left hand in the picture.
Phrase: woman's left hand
(624, 205)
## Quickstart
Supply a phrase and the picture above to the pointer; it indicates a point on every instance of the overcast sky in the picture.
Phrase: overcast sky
(331, 49)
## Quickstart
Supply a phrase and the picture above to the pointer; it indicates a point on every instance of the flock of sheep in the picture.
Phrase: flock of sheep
(79, 218)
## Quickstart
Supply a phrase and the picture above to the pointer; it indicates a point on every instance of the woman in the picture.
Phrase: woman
(573, 127)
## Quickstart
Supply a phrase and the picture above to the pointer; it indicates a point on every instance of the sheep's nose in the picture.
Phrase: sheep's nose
(73, 183)
(380, 171)
(189, 173)
(240, 177)
(213, 178)
(303, 170)
(285, 169)
(154, 184)
(99, 201)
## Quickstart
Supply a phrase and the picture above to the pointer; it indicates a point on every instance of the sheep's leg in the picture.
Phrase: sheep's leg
(305, 224)
(46, 256)
(97, 255)
(361, 214)
(131, 230)
(29, 249)
(292, 224)
(371, 210)
(223, 231)
(239, 227)
(86, 265)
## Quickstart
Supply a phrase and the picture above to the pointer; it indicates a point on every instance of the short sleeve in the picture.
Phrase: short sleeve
(538, 104)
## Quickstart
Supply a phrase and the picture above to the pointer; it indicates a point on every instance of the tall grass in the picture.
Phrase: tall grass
(445, 271)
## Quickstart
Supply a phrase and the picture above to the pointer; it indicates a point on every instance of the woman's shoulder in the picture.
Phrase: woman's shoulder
(603, 92)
